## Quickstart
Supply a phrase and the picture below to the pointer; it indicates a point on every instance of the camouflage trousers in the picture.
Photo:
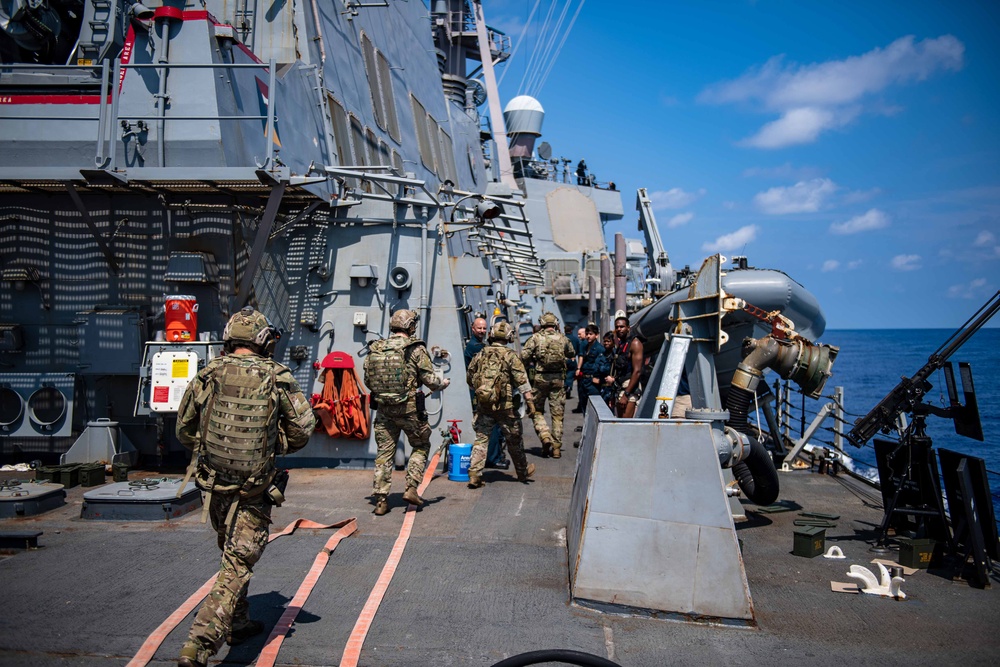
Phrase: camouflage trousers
(242, 544)
(552, 389)
(510, 425)
(387, 429)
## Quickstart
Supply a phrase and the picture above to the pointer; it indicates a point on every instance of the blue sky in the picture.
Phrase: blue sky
(855, 146)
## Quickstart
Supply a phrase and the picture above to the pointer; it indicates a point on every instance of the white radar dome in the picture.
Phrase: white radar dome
(524, 115)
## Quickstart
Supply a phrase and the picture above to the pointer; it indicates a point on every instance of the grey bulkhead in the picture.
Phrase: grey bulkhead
(304, 275)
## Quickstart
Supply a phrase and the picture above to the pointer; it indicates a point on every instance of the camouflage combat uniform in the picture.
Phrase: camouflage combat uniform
(514, 379)
(391, 419)
(239, 508)
(548, 350)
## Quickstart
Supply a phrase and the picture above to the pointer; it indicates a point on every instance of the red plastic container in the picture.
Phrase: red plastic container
(181, 318)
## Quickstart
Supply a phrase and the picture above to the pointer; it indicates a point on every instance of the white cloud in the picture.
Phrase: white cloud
(853, 264)
(799, 126)
(830, 265)
(674, 198)
(817, 97)
(984, 239)
(679, 219)
(968, 290)
(803, 197)
(873, 219)
(905, 262)
(732, 241)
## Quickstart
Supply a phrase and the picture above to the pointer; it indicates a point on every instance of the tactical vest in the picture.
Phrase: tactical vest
(551, 353)
(238, 432)
(387, 373)
(622, 366)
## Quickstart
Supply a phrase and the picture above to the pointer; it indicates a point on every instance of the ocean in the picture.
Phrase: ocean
(871, 363)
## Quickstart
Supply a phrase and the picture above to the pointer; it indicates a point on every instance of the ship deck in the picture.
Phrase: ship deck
(484, 576)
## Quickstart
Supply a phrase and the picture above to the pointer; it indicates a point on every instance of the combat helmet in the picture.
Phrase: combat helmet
(502, 331)
(548, 320)
(404, 320)
(251, 327)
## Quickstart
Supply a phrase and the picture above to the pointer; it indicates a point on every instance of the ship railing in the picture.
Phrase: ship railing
(108, 118)
(110, 161)
(506, 240)
(100, 118)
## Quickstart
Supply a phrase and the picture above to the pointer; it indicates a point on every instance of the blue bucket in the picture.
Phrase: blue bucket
(460, 455)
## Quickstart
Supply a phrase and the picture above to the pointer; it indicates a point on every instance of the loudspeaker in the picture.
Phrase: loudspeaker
(399, 278)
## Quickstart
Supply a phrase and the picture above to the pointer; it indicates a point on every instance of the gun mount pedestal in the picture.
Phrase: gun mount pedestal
(650, 526)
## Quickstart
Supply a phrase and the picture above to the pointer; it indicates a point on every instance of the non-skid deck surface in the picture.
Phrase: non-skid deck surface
(484, 577)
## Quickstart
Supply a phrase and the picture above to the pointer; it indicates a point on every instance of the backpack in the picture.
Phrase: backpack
(490, 379)
(551, 353)
(386, 372)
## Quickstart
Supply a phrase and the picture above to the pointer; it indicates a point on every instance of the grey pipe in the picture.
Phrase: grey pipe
(620, 281)
(162, 58)
(605, 317)
(592, 301)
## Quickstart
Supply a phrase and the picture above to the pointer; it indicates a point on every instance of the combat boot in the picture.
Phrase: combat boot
(243, 631)
(528, 472)
(411, 496)
(557, 452)
(546, 448)
(193, 656)
(475, 481)
(381, 505)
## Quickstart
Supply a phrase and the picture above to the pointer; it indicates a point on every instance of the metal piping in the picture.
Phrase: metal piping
(620, 280)
(162, 58)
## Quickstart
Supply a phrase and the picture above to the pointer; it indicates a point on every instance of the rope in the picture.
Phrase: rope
(565, 36)
(524, 33)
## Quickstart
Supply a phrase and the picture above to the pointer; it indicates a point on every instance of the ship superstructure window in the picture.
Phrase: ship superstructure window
(383, 154)
(388, 99)
(358, 139)
(368, 52)
(423, 140)
(448, 152)
(397, 162)
(432, 135)
(372, 141)
(341, 133)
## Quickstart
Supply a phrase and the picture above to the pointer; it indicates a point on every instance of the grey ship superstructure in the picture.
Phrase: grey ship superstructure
(324, 161)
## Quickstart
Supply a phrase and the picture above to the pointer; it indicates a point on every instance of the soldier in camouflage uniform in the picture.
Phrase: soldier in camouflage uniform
(236, 415)
(548, 350)
(503, 367)
(395, 368)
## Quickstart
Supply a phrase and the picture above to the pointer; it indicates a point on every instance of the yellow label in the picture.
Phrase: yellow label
(84, 61)
(179, 368)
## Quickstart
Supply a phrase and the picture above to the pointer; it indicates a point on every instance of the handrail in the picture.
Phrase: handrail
(108, 116)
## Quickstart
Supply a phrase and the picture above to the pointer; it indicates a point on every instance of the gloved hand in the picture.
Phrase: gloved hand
(445, 384)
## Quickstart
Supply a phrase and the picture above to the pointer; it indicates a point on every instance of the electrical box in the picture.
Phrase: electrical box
(169, 375)
(361, 319)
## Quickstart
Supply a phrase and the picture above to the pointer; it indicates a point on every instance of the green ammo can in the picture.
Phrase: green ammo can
(68, 474)
(91, 474)
(47, 474)
(916, 553)
(119, 472)
(810, 541)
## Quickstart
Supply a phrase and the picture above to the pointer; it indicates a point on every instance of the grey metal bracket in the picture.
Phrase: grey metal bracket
(108, 255)
(260, 243)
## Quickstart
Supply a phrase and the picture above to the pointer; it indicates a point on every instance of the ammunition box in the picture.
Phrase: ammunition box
(119, 472)
(916, 553)
(47, 474)
(809, 542)
(91, 474)
(68, 475)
